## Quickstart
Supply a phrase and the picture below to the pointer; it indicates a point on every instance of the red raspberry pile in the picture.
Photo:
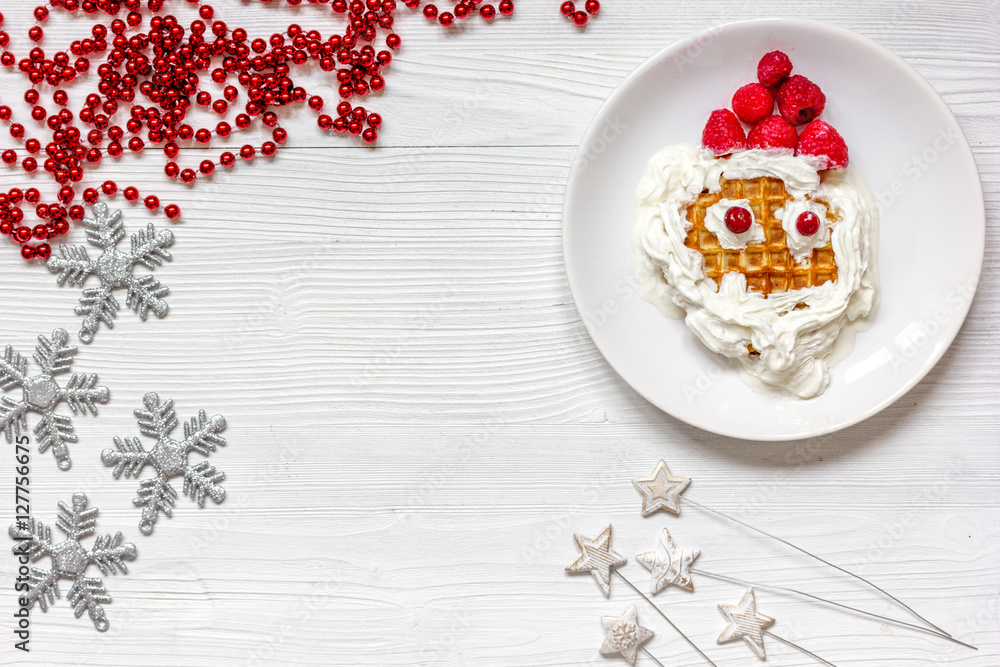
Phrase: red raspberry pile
(799, 102)
(149, 71)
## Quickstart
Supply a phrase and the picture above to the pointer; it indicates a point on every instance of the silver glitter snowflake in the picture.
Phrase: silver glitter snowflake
(115, 269)
(169, 458)
(70, 560)
(42, 394)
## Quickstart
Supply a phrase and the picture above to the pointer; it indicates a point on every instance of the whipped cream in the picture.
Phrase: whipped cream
(794, 343)
(715, 222)
(802, 246)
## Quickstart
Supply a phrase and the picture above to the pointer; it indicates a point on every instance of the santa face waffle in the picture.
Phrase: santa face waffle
(753, 286)
(768, 265)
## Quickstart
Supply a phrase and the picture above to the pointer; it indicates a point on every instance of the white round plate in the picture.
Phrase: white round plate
(903, 140)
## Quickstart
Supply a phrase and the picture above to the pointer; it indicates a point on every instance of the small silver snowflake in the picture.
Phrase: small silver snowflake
(42, 394)
(115, 269)
(70, 560)
(169, 458)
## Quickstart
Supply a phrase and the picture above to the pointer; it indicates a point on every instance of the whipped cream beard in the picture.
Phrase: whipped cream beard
(793, 342)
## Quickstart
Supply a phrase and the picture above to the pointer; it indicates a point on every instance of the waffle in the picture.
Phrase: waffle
(768, 266)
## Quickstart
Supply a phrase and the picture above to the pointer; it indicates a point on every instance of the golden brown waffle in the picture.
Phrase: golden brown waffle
(768, 266)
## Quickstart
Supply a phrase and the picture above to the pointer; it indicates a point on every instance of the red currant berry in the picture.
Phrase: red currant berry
(592, 6)
(738, 219)
(807, 223)
(567, 8)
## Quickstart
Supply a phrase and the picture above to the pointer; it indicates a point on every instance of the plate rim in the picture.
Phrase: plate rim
(949, 334)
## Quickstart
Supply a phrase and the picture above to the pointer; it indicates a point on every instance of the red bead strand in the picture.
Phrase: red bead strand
(149, 69)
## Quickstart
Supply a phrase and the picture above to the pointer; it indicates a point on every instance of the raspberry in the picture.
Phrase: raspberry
(723, 133)
(753, 103)
(800, 100)
(823, 143)
(773, 68)
(773, 132)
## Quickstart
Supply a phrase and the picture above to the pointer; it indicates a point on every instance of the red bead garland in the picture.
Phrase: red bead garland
(149, 78)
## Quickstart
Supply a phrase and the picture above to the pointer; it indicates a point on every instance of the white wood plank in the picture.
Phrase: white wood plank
(418, 421)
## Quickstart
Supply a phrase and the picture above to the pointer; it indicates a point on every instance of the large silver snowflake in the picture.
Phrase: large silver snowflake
(42, 394)
(70, 560)
(169, 458)
(115, 268)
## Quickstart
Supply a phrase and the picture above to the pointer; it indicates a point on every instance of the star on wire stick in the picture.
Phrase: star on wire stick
(597, 558)
(746, 623)
(662, 491)
(625, 635)
(668, 565)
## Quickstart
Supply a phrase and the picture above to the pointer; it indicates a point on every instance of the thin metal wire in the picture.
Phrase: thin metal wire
(792, 591)
(798, 648)
(652, 656)
(660, 612)
(825, 562)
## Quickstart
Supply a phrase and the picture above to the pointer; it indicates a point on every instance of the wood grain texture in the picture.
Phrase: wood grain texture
(418, 421)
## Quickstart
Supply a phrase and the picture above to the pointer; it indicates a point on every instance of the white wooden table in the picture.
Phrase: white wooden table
(418, 422)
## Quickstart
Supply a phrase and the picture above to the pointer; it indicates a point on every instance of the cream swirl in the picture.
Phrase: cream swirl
(793, 342)
(799, 245)
(715, 222)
